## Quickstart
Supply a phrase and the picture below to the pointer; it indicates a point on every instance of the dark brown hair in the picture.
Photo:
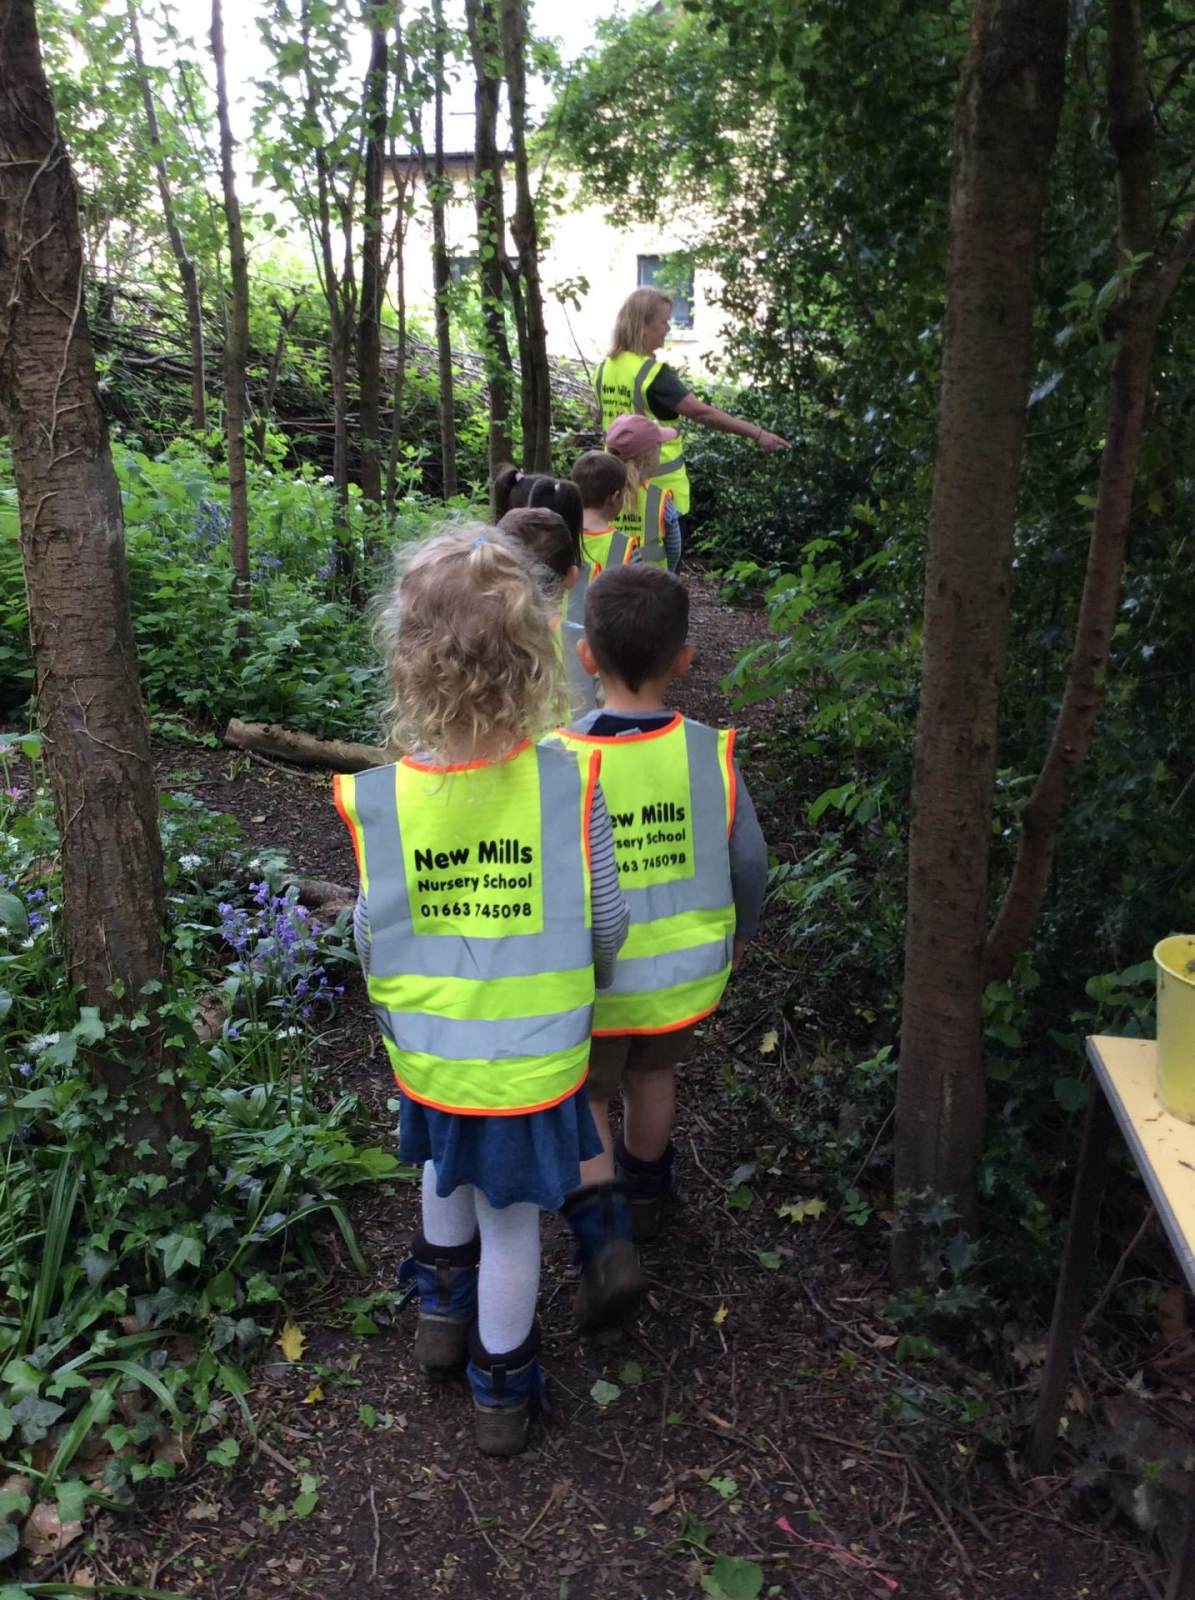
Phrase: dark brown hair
(514, 489)
(545, 537)
(636, 620)
(599, 476)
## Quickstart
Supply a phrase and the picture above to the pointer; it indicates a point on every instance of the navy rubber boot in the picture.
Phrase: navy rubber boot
(612, 1282)
(444, 1279)
(648, 1188)
(506, 1390)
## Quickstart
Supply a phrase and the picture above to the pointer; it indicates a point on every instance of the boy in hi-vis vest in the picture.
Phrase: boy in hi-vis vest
(693, 865)
(489, 909)
(602, 481)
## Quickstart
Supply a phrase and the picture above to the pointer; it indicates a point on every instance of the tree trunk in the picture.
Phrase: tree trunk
(369, 324)
(186, 267)
(533, 357)
(1134, 325)
(399, 242)
(1009, 103)
(486, 49)
(236, 342)
(286, 317)
(72, 541)
(440, 274)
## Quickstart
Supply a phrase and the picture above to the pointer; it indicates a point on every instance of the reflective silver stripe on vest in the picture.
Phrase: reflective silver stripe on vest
(566, 942)
(465, 1039)
(653, 533)
(675, 464)
(642, 974)
(709, 888)
(640, 380)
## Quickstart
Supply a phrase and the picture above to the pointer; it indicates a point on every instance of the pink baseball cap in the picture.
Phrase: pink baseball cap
(631, 435)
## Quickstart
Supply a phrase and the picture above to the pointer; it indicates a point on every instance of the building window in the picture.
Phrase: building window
(462, 268)
(668, 275)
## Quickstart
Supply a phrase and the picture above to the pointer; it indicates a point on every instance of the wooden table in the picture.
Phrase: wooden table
(1122, 1095)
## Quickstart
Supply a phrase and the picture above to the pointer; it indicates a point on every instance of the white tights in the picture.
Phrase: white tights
(508, 1283)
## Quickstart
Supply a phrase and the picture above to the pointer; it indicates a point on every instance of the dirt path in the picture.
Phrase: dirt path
(760, 1413)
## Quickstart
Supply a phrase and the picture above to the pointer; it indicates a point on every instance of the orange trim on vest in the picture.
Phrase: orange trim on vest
(595, 767)
(731, 786)
(626, 738)
(671, 1027)
(466, 766)
(473, 1111)
(346, 819)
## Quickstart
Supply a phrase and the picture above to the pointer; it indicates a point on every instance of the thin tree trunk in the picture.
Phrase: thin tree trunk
(398, 246)
(236, 343)
(486, 48)
(440, 273)
(88, 693)
(186, 267)
(536, 374)
(369, 328)
(1134, 323)
(286, 316)
(1009, 104)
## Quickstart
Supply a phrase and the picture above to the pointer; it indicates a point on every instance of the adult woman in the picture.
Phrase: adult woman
(631, 378)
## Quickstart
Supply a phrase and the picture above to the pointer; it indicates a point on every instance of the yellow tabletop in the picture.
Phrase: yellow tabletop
(1162, 1146)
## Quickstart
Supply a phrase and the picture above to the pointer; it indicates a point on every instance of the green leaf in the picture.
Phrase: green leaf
(740, 1199)
(605, 1393)
(770, 1259)
(727, 1487)
(1070, 1093)
(177, 1250)
(10, 1538)
(225, 1454)
(366, 1415)
(630, 1373)
(13, 914)
(733, 1579)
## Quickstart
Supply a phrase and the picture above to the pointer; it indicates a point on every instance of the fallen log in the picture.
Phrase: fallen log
(303, 749)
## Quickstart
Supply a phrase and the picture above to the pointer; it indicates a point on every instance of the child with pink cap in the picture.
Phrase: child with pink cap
(649, 513)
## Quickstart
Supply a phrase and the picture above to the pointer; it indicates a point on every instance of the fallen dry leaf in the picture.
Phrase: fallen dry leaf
(769, 1042)
(313, 1396)
(202, 1511)
(720, 1315)
(45, 1533)
(292, 1341)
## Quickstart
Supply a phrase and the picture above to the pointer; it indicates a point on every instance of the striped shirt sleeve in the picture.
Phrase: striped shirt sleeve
(611, 916)
(748, 862)
(672, 535)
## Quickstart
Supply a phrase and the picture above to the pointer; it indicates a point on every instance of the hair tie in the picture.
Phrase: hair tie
(480, 539)
(518, 477)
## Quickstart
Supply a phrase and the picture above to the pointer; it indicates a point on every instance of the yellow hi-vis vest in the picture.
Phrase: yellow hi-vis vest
(646, 523)
(476, 881)
(621, 384)
(670, 795)
(611, 547)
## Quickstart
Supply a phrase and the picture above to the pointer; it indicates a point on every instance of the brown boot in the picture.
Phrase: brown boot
(506, 1390)
(612, 1282)
(444, 1277)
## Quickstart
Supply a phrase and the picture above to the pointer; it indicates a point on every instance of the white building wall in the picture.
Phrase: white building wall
(585, 258)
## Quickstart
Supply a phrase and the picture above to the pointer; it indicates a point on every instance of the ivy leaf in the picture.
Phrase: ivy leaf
(13, 914)
(801, 1210)
(605, 1393)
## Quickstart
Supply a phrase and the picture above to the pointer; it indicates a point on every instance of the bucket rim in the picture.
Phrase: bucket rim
(1163, 962)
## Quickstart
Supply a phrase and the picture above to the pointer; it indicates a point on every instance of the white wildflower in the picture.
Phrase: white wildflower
(190, 863)
(40, 1042)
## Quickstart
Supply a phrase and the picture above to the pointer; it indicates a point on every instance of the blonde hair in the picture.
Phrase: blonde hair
(631, 322)
(639, 472)
(470, 658)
